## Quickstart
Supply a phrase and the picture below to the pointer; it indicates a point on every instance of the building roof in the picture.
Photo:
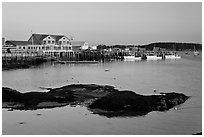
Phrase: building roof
(77, 43)
(76, 48)
(15, 43)
(37, 38)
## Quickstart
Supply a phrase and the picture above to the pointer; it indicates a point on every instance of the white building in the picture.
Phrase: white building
(45, 44)
(82, 45)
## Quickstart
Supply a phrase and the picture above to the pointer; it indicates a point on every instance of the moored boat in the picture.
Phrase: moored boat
(172, 55)
(132, 58)
(153, 56)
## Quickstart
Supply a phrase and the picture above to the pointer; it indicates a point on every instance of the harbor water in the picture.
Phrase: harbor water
(183, 76)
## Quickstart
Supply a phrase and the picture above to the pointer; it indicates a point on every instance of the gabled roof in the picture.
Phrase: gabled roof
(37, 38)
(77, 43)
(15, 43)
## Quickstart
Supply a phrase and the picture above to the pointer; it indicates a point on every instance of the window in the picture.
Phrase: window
(48, 42)
(67, 42)
(64, 42)
(43, 47)
(70, 48)
(64, 38)
(19, 47)
(48, 37)
(23, 47)
(44, 42)
(53, 42)
(28, 47)
(60, 42)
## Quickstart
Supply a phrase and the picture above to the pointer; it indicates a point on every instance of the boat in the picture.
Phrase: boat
(196, 53)
(172, 55)
(153, 56)
(132, 58)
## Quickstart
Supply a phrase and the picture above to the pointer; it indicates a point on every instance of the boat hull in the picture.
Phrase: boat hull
(172, 57)
(153, 58)
(131, 58)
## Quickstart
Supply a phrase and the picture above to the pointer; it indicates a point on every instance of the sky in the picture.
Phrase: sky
(105, 23)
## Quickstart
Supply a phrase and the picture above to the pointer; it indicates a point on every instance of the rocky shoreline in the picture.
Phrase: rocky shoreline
(100, 99)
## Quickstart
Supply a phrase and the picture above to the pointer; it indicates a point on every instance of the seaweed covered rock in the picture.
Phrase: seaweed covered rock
(103, 100)
(125, 102)
(55, 97)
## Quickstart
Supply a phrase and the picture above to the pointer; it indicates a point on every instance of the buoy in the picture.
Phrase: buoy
(155, 90)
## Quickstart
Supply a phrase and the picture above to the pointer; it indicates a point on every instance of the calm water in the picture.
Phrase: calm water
(183, 75)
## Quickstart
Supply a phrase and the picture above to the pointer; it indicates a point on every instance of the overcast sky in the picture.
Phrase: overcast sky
(105, 23)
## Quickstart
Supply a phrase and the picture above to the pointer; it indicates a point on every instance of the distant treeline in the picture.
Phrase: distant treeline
(166, 45)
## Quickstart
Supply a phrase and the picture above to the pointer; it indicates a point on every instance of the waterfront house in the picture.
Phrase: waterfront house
(43, 44)
(51, 45)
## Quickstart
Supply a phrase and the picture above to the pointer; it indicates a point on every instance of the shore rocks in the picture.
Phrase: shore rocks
(125, 102)
(103, 100)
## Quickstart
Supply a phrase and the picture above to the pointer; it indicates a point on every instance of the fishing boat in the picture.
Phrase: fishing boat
(153, 56)
(132, 58)
(172, 55)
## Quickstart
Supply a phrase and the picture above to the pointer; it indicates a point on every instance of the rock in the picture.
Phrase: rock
(54, 98)
(22, 123)
(200, 133)
(103, 100)
(124, 102)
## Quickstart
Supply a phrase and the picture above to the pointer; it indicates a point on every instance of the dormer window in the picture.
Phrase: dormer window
(48, 37)
(64, 38)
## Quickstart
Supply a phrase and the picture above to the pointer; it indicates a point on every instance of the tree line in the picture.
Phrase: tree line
(167, 45)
